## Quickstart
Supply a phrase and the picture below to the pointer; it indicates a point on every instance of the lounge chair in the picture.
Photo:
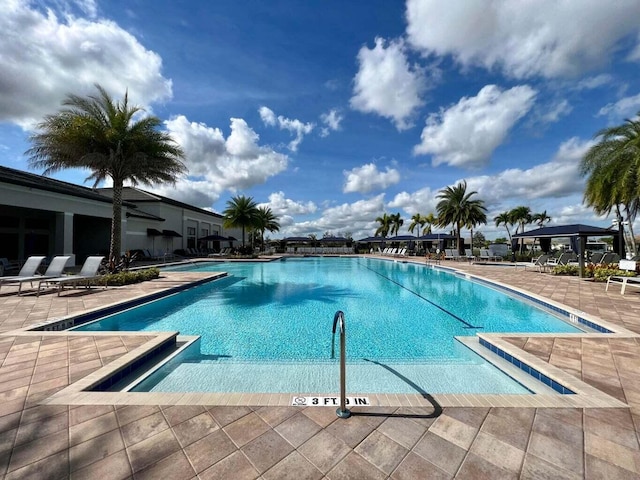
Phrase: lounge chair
(28, 270)
(88, 273)
(54, 269)
(629, 265)
(539, 263)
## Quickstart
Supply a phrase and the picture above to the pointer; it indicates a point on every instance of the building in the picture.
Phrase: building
(41, 215)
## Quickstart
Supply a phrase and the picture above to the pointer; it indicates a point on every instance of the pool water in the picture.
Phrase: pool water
(267, 328)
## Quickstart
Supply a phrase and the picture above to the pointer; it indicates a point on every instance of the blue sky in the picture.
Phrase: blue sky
(334, 112)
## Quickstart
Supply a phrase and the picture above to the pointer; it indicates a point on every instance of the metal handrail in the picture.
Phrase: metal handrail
(338, 319)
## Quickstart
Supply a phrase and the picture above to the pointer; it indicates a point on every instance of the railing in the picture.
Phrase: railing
(338, 320)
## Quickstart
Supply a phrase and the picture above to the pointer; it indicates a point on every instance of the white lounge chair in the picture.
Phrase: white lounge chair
(54, 269)
(628, 265)
(28, 270)
(88, 273)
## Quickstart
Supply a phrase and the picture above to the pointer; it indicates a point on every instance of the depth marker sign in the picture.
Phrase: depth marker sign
(328, 401)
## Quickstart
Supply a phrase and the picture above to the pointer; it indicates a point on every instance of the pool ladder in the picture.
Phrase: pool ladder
(338, 321)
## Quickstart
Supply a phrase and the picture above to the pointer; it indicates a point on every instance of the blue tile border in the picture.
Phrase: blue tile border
(527, 369)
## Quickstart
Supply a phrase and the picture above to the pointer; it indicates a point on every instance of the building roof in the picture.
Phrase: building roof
(31, 180)
(136, 195)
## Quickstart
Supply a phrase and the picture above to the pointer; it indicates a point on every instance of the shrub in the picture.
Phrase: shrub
(572, 270)
(128, 277)
(601, 272)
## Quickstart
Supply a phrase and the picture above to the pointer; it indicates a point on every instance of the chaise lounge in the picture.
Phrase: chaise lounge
(88, 273)
(54, 269)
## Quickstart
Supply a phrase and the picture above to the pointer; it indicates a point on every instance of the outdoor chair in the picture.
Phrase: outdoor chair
(629, 265)
(54, 269)
(87, 274)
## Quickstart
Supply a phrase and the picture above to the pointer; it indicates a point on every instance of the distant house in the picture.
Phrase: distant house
(41, 215)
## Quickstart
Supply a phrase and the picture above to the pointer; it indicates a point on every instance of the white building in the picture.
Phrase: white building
(40, 215)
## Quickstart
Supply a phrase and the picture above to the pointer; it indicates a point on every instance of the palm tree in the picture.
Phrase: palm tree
(241, 212)
(540, 218)
(385, 225)
(101, 135)
(504, 219)
(417, 221)
(429, 220)
(521, 216)
(476, 217)
(457, 208)
(613, 169)
(266, 220)
(396, 223)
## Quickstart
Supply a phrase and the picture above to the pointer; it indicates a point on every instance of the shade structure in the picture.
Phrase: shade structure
(576, 232)
(152, 232)
(402, 238)
(214, 238)
(333, 240)
(573, 230)
(372, 240)
(170, 233)
(430, 237)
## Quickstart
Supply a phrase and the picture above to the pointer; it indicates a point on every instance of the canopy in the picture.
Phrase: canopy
(577, 233)
(372, 240)
(152, 232)
(170, 233)
(334, 240)
(575, 230)
(214, 238)
(402, 238)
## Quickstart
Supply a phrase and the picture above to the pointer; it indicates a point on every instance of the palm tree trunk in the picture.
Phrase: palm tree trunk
(116, 222)
(633, 246)
(459, 240)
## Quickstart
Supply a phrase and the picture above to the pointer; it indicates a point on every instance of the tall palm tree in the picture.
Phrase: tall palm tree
(540, 218)
(266, 220)
(504, 219)
(417, 220)
(429, 221)
(520, 216)
(458, 208)
(385, 225)
(100, 134)
(396, 223)
(476, 217)
(241, 212)
(612, 166)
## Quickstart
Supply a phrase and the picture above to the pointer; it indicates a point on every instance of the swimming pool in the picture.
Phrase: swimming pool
(267, 328)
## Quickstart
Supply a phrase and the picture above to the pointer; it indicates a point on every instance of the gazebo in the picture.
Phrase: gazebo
(577, 234)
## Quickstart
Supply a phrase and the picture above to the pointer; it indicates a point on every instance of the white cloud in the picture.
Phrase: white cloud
(624, 108)
(331, 120)
(367, 178)
(296, 127)
(591, 83)
(44, 58)
(280, 205)
(357, 218)
(386, 84)
(217, 164)
(466, 134)
(524, 39)
(555, 111)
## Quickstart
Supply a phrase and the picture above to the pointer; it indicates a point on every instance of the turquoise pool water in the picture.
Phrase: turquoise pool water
(267, 327)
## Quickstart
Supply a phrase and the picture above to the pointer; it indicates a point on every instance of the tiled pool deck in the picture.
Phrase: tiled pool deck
(108, 440)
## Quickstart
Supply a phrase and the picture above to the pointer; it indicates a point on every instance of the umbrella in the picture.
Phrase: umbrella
(372, 240)
(214, 238)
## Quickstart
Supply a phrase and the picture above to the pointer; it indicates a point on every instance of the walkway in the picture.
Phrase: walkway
(184, 442)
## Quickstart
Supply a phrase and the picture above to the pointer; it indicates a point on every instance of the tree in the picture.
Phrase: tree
(504, 219)
(385, 225)
(101, 135)
(540, 218)
(396, 223)
(520, 216)
(417, 221)
(479, 241)
(458, 208)
(429, 220)
(241, 212)
(266, 220)
(612, 166)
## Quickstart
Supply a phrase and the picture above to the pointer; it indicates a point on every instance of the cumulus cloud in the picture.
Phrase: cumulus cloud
(422, 201)
(624, 108)
(357, 218)
(217, 164)
(366, 178)
(467, 133)
(387, 84)
(524, 39)
(45, 57)
(331, 121)
(280, 205)
(294, 126)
